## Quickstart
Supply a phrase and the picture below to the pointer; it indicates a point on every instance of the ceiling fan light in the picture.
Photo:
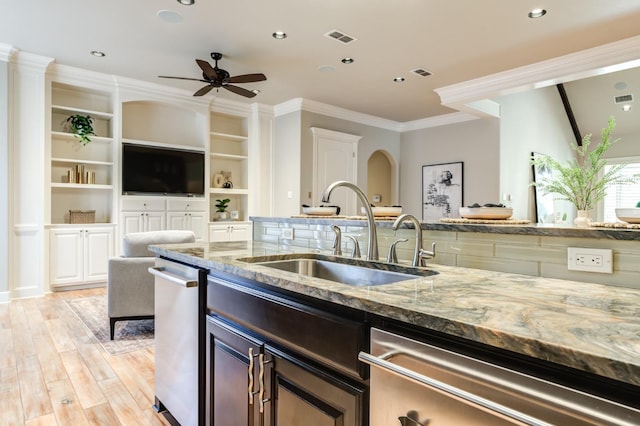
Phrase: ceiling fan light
(537, 13)
(279, 35)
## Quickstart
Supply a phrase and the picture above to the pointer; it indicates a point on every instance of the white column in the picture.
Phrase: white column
(28, 119)
(5, 54)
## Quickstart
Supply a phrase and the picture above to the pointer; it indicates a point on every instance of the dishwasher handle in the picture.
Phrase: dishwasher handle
(160, 272)
(448, 389)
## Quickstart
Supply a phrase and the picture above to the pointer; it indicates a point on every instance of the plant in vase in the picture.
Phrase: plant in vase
(81, 126)
(221, 208)
(583, 181)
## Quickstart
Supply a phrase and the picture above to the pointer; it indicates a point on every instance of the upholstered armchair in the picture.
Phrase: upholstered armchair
(130, 286)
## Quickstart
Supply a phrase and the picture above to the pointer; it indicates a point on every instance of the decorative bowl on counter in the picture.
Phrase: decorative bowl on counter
(321, 210)
(384, 211)
(486, 212)
(629, 215)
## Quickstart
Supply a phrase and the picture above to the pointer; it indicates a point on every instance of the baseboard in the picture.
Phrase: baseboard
(82, 286)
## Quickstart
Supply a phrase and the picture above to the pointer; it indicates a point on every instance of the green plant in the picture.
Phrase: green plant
(222, 205)
(582, 181)
(81, 126)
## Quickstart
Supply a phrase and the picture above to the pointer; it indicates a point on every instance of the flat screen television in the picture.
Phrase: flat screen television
(164, 171)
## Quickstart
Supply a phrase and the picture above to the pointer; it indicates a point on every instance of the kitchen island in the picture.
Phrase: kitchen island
(583, 327)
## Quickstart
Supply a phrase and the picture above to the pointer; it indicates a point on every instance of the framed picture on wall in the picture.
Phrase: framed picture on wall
(441, 191)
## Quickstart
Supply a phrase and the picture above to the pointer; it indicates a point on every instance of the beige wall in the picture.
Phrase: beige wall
(475, 143)
(379, 179)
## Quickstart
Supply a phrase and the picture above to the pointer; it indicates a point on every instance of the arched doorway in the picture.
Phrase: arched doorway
(381, 179)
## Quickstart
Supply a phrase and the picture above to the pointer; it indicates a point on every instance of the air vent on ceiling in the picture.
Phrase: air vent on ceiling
(340, 36)
(421, 71)
(623, 98)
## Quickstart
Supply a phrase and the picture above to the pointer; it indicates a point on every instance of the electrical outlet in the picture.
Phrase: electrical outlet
(590, 260)
(287, 233)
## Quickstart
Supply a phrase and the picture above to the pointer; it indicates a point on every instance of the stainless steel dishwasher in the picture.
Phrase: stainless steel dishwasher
(416, 384)
(180, 301)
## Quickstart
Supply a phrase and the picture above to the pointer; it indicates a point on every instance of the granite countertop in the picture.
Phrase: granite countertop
(609, 231)
(589, 327)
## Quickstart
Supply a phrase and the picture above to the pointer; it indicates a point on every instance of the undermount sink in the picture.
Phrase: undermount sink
(341, 270)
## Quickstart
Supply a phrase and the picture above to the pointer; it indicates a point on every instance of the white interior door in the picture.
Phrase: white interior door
(335, 158)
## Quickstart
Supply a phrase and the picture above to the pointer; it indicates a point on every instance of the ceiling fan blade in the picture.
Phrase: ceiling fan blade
(239, 91)
(207, 69)
(183, 78)
(206, 89)
(246, 78)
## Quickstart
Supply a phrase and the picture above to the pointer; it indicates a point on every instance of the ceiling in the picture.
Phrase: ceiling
(454, 40)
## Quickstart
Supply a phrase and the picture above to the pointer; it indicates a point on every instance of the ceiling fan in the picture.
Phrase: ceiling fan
(217, 77)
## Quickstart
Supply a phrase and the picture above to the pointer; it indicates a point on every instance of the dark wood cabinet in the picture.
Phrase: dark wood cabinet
(255, 378)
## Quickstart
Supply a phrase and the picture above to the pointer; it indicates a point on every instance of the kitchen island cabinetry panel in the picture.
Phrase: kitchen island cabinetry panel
(266, 367)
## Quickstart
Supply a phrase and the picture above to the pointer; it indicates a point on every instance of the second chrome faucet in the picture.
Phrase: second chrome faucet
(419, 254)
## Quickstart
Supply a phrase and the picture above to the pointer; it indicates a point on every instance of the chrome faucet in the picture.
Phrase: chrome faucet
(419, 254)
(337, 242)
(392, 257)
(372, 243)
(356, 247)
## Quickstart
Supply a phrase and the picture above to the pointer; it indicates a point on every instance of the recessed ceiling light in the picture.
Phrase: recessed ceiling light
(398, 79)
(169, 16)
(347, 60)
(256, 91)
(537, 13)
(98, 54)
(279, 35)
(187, 2)
(326, 68)
(626, 108)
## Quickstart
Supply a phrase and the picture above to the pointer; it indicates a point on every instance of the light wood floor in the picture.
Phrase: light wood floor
(54, 372)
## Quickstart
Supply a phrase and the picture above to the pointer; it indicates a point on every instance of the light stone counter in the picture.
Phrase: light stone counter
(589, 327)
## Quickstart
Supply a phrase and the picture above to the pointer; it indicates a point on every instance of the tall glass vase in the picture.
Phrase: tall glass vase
(582, 220)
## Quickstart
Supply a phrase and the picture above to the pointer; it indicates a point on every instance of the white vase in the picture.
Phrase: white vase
(582, 220)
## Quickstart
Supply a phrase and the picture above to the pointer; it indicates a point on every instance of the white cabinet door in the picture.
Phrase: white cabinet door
(98, 248)
(229, 232)
(197, 224)
(187, 221)
(218, 233)
(239, 233)
(65, 255)
(79, 255)
(154, 221)
(177, 221)
(141, 221)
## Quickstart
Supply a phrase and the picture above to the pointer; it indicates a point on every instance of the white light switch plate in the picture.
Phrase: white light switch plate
(590, 260)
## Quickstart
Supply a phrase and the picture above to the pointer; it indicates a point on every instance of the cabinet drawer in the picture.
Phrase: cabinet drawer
(325, 337)
(143, 204)
(187, 204)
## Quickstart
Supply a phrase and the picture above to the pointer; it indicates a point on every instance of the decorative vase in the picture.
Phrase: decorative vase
(223, 215)
(582, 220)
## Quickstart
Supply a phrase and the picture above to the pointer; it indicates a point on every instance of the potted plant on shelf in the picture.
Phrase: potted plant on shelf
(221, 208)
(81, 126)
(583, 181)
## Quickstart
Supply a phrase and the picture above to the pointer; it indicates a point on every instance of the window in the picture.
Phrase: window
(621, 195)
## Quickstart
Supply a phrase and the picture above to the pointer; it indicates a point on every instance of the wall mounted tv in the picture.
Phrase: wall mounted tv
(161, 171)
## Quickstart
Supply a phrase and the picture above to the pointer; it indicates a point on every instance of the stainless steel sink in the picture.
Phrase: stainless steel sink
(333, 269)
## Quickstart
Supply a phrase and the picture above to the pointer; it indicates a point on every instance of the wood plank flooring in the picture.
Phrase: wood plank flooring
(54, 372)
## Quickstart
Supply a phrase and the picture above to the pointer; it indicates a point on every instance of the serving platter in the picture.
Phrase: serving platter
(320, 211)
(629, 215)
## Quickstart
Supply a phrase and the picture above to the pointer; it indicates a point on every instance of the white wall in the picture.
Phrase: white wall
(475, 143)
(4, 181)
(286, 165)
(531, 121)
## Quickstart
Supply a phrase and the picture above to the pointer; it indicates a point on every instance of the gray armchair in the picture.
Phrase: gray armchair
(130, 286)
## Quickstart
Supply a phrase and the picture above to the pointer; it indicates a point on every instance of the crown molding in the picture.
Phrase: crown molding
(31, 60)
(72, 75)
(134, 90)
(228, 106)
(7, 52)
(437, 121)
(615, 56)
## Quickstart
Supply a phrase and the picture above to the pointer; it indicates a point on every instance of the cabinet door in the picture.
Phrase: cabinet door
(65, 255)
(98, 248)
(177, 221)
(197, 224)
(218, 233)
(132, 222)
(238, 232)
(232, 376)
(154, 221)
(304, 395)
